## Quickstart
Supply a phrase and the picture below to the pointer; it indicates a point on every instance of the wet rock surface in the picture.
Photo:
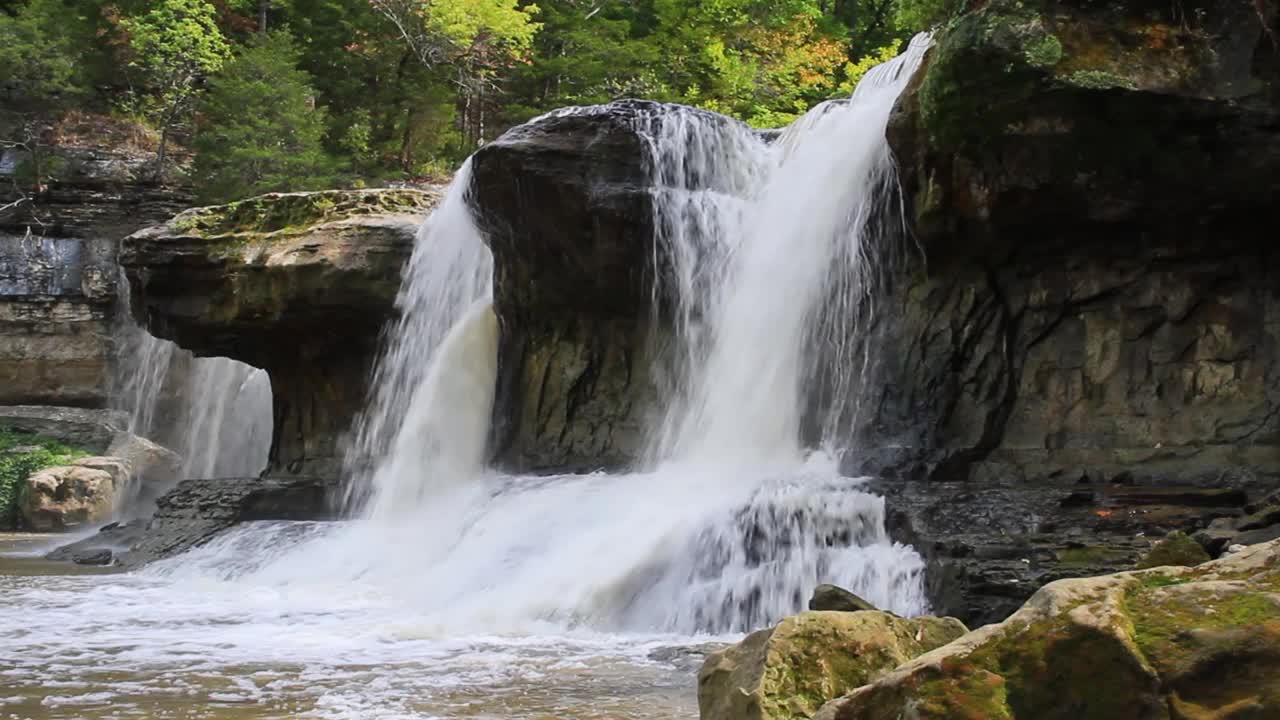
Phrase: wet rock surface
(789, 671)
(837, 599)
(991, 545)
(197, 510)
(298, 284)
(566, 203)
(1159, 644)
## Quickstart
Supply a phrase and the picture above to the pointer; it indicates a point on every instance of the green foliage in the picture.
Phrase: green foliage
(1175, 549)
(175, 46)
(919, 15)
(21, 455)
(260, 130)
(38, 58)
(408, 88)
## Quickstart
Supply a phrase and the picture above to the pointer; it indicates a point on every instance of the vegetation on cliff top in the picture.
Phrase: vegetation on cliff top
(276, 95)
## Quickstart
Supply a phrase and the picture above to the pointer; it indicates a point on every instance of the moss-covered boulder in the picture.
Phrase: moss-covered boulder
(1176, 548)
(298, 284)
(1184, 643)
(789, 671)
(1037, 109)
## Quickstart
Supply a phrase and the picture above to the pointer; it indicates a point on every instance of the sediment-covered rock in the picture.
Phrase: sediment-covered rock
(298, 284)
(1152, 645)
(789, 671)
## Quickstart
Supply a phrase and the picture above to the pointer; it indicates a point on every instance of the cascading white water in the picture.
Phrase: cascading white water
(798, 282)
(419, 431)
(460, 592)
(732, 526)
(214, 412)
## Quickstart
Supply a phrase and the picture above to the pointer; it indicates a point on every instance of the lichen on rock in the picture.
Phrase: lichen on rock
(1201, 640)
(789, 671)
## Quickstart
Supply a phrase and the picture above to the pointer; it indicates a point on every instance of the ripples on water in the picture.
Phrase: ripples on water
(143, 645)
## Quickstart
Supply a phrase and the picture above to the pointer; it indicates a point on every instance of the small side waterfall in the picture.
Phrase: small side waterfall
(214, 412)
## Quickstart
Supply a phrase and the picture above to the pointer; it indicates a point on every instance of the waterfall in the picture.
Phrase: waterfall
(397, 440)
(797, 284)
(215, 413)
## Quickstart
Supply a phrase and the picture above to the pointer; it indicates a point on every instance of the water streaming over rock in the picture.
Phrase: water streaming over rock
(730, 526)
(411, 437)
(464, 592)
(214, 412)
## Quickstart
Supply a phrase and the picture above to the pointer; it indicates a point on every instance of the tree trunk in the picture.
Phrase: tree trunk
(263, 6)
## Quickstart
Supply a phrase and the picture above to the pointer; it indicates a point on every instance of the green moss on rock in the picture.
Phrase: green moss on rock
(294, 213)
(1122, 647)
(1175, 549)
(789, 671)
(22, 455)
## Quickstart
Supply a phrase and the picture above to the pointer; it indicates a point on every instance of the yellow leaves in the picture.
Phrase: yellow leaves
(466, 22)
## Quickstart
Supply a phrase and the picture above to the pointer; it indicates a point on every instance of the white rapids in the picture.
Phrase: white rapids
(461, 592)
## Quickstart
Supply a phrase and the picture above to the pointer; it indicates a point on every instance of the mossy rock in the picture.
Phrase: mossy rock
(789, 671)
(295, 213)
(1177, 548)
(1204, 641)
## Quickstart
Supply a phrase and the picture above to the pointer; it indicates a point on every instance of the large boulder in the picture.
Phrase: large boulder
(68, 497)
(1085, 343)
(298, 284)
(1093, 296)
(1161, 644)
(566, 203)
(787, 672)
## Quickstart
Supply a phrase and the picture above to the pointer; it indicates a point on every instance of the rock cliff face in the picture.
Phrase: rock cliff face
(565, 205)
(1094, 306)
(58, 285)
(297, 284)
(1082, 340)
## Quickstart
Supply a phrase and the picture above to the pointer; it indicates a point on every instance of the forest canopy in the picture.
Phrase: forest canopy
(288, 94)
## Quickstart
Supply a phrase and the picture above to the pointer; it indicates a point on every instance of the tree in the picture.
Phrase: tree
(260, 130)
(475, 38)
(176, 46)
(39, 78)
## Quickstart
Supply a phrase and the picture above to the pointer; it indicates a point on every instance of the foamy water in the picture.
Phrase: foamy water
(461, 592)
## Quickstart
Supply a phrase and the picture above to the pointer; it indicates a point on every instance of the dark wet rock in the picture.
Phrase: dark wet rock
(298, 284)
(991, 545)
(566, 205)
(1091, 298)
(92, 557)
(196, 510)
(830, 597)
(112, 538)
(91, 430)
